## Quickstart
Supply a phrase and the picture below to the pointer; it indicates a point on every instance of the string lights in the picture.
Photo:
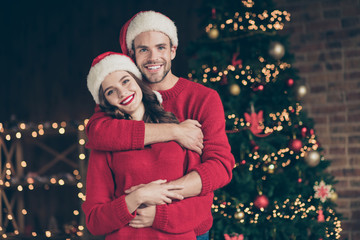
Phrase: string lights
(31, 181)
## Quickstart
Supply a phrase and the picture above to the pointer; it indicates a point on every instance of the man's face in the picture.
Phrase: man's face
(153, 55)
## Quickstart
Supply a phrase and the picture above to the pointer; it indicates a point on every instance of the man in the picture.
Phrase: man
(150, 38)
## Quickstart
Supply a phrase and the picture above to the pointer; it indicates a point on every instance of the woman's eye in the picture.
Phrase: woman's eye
(109, 92)
(126, 81)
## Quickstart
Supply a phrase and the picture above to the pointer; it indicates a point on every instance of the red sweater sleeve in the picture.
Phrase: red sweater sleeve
(105, 133)
(217, 160)
(183, 216)
(104, 213)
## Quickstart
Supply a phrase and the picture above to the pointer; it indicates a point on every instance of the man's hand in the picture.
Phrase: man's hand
(190, 136)
(144, 217)
(155, 193)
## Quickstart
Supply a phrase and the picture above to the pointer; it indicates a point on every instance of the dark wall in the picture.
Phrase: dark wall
(48, 47)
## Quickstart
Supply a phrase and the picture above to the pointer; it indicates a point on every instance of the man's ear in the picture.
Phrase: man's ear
(173, 52)
(132, 55)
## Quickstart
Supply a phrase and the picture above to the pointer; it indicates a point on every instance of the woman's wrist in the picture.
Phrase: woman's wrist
(133, 200)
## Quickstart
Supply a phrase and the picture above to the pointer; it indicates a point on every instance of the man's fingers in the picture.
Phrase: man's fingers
(167, 200)
(160, 181)
(198, 151)
(136, 225)
(133, 188)
(174, 187)
(175, 196)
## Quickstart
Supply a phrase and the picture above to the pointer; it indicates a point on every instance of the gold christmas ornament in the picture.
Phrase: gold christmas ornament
(334, 196)
(276, 50)
(302, 91)
(213, 33)
(239, 215)
(235, 89)
(312, 158)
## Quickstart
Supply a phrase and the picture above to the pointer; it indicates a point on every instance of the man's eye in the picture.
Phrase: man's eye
(143, 50)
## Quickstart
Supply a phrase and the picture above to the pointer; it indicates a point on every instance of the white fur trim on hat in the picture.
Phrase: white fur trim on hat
(158, 96)
(151, 21)
(104, 67)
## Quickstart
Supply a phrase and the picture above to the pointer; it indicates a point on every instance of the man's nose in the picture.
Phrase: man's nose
(154, 55)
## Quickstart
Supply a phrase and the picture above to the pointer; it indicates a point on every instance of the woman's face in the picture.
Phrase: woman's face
(122, 91)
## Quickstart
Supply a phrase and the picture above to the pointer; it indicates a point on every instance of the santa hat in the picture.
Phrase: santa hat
(143, 22)
(103, 65)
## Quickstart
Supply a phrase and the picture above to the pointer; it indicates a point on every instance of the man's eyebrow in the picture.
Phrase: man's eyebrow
(141, 46)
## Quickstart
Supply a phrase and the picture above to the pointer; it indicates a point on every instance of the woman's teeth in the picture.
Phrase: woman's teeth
(127, 100)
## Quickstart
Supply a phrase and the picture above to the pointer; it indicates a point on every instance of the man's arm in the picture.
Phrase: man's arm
(217, 161)
(215, 168)
(108, 134)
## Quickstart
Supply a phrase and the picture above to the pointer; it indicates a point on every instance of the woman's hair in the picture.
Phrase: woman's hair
(154, 112)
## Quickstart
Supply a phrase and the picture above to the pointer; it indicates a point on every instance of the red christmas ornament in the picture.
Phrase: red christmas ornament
(213, 13)
(258, 88)
(235, 237)
(299, 180)
(321, 217)
(236, 62)
(290, 82)
(224, 80)
(254, 145)
(295, 145)
(303, 132)
(261, 201)
(255, 119)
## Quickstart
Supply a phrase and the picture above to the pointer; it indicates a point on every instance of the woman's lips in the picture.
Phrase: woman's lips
(128, 100)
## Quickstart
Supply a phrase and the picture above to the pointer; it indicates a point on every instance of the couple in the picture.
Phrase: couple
(152, 172)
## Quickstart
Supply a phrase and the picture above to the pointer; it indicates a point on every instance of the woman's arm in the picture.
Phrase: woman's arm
(178, 217)
(104, 212)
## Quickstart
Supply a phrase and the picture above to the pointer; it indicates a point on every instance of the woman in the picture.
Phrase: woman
(115, 83)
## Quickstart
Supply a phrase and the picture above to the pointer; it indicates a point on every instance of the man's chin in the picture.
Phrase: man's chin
(153, 80)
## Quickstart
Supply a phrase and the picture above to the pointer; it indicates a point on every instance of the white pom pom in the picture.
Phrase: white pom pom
(158, 96)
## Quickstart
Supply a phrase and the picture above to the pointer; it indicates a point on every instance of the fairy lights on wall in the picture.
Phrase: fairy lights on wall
(33, 181)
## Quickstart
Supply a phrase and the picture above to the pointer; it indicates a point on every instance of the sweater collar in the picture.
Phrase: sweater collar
(175, 90)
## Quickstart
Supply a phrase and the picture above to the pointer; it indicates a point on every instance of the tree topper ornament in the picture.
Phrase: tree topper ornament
(255, 120)
(322, 191)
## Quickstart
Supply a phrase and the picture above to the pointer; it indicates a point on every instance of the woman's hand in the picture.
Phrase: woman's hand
(156, 193)
(144, 217)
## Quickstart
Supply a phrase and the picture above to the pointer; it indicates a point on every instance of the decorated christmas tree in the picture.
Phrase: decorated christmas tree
(280, 188)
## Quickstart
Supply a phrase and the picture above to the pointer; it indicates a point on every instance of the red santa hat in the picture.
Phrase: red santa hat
(143, 22)
(103, 65)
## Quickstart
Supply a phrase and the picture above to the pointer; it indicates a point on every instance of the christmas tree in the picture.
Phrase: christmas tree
(280, 188)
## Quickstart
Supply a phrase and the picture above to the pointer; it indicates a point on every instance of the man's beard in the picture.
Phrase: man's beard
(156, 81)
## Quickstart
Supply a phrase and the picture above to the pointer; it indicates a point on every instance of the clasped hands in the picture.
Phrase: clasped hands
(151, 194)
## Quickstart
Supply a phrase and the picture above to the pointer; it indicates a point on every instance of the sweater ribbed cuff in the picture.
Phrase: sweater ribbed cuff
(138, 130)
(161, 217)
(206, 177)
(121, 211)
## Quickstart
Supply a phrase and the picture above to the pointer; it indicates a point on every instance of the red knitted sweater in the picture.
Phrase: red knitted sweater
(187, 100)
(110, 173)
